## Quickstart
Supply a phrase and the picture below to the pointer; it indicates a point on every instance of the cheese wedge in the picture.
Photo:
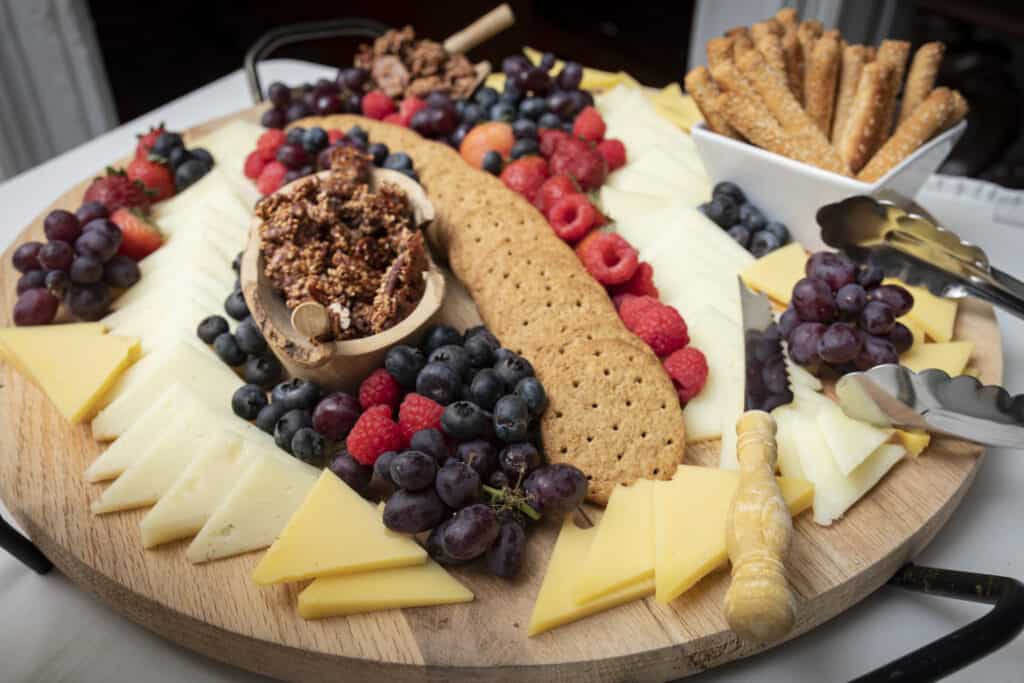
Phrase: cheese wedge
(335, 531)
(776, 273)
(257, 508)
(417, 586)
(950, 357)
(914, 441)
(715, 409)
(622, 552)
(851, 441)
(690, 512)
(555, 605)
(74, 366)
(934, 314)
(786, 436)
(193, 497)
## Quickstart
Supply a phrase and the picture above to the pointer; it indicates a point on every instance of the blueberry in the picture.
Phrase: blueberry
(524, 128)
(478, 454)
(486, 388)
(203, 155)
(308, 446)
(485, 97)
(518, 459)
(504, 354)
(512, 368)
(763, 242)
(296, 110)
(189, 172)
(249, 337)
(533, 107)
(460, 107)
(511, 91)
(453, 356)
(502, 111)
(437, 336)
(703, 208)
(382, 466)
(549, 119)
(287, 426)
(524, 147)
(379, 151)
(478, 329)
(480, 349)
(295, 135)
(751, 217)
(728, 189)
(492, 162)
(741, 234)
(438, 382)
(358, 133)
(397, 161)
(532, 392)
(352, 472)
(227, 349)
(465, 421)
(179, 155)
(297, 393)
(268, 417)
(248, 400)
(430, 441)
(779, 230)
(723, 211)
(264, 370)
(235, 305)
(165, 143)
(511, 418)
(472, 113)
(212, 327)
(315, 139)
(404, 364)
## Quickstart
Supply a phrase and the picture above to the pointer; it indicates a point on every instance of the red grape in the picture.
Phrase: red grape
(876, 351)
(86, 270)
(901, 337)
(89, 302)
(335, 415)
(814, 301)
(850, 299)
(442, 121)
(26, 257)
(506, 554)
(279, 93)
(293, 156)
(58, 283)
(471, 532)
(787, 321)
(840, 344)
(56, 255)
(273, 118)
(328, 103)
(899, 299)
(35, 307)
(555, 490)
(62, 225)
(803, 342)
(121, 272)
(32, 279)
(877, 318)
(90, 211)
(870, 277)
(835, 269)
(350, 471)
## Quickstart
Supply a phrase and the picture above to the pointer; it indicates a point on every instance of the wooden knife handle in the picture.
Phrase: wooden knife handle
(759, 604)
(490, 24)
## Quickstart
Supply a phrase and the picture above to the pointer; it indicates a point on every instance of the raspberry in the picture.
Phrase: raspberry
(254, 164)
(589, 125)
(334, 135)
(641, 284)
(614, 153)
(419, 412)
(689, 371)
(553, 189)
(380, 388)
(631, 307)
(271, 177)
(572, 217)
(377, 105)
(580, 160)
(396, 119)
(374, 433)
(661, 327)
(269, 142)
(525, 176)
(607, 257)
(410, 105)
(549, 139)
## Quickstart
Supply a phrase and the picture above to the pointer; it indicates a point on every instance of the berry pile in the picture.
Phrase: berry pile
(842, 317)
(283, 156)
(343, 95)
(164, 165)
(744, 222)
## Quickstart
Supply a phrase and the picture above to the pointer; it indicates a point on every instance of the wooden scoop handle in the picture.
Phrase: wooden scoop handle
(759, 604)
(490, 24)
(311, 319)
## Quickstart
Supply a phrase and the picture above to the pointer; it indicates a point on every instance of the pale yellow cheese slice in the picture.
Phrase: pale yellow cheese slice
(690, 512)
(951, 357)
(776, 273)
(851, 441)
(934, 314)
(622, 552)
(555, 605)
(335, 531)
(914, 441)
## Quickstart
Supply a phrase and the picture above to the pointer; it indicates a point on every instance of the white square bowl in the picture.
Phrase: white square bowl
(792, 192)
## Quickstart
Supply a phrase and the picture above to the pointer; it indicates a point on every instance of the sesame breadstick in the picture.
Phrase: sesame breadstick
(787, 17)
(771, 86)
(865, 116)
(870, 53)
(719, 50)
(921, 77)
(894, 53)
(958, 112)
(728, 77)
(849, 74)
(741, 40)
(750, 119)
(704, 92)
(794, 55)
(821, 73)
(807, 33)
(923, 123)
(768, 41)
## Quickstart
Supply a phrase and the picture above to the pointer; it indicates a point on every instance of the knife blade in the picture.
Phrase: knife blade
(766, 384)
(961, 407)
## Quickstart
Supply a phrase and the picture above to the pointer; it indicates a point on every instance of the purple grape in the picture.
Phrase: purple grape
(324, 86)
(813, 300)
(89, 302)
(297, 110)
(352, 472)
(555, 490)
(32, 279)
(518, 459)
(26, 257)
(335, 415)
(280, 94)
(478, 454)
(291, 176)
(442, 121)
(98, 245)
(901, 337)
(535, 80)
(86, 270)
(293, 156)
(436, 550)
(274, 118)
(505, 556)
(328, 103)
(898, 299)
(850, 299)
(35, 307)
(411, 512)
(440, 100)
(570, 77)
(877, 318)
(120, 272)
(578, 99)
(58, 283)
(90, 211)
(560, 104)
(61, 225)
(547, 61)
(353, 78)
(835, 269)
(787, 321)
(351, 103)
(471, 532)
(422, 123)
(413, 470)
(840, 344)
(513, 65)
(308, 100)
(457, 484)
(803, 343)
(56, 255)
(875, 351)
(870, 277)
(107, 227)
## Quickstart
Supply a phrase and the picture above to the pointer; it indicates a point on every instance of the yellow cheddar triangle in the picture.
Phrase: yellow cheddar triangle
(73, 364)
(334, 531)
(951, 357)
(777, 272)
(690, 513)
(416, 586)
(555, 605)
(914, 441)
(622, 552)
(934, 314)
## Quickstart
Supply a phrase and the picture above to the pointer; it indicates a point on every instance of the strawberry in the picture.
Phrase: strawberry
(579, 159)
(525, 175)
(147, 140)
(553, 189)
(589, 125)
(155, 177)
(139, 237)
(549, 139)
(115, 190)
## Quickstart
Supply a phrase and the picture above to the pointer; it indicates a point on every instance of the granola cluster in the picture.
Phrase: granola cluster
(352, 249)
(401, 65)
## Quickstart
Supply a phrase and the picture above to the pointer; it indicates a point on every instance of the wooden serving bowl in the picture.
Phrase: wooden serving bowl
(339, 365)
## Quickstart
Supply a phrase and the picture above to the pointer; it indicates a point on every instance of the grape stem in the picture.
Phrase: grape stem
(518, 502)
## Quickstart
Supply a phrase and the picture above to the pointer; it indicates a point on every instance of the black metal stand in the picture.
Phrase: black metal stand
(22, 549)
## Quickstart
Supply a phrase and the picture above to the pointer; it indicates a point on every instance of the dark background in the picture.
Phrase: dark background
(159, 50)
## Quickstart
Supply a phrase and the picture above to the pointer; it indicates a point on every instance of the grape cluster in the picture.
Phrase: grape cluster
(79, 264)
(343, 95)
(841, 316)
(730, 209)
(766, 384)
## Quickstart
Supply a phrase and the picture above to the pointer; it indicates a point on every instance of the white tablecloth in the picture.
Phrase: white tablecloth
(54, 632)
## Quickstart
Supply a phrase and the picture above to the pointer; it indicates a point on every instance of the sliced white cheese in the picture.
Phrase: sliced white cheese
(787, 437)
(622, 204)
(158, 325)
(217, 281)
(851, 441)
(718, 338)
(657, 173)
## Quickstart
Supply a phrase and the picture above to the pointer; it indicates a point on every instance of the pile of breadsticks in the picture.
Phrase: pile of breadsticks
(793, 89)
